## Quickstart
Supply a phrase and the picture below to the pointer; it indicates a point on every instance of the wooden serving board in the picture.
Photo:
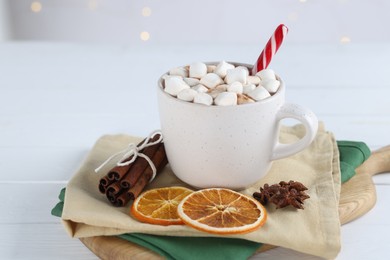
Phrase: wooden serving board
(357, 197)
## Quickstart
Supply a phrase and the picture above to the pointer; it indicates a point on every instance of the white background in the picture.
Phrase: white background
(201, 21)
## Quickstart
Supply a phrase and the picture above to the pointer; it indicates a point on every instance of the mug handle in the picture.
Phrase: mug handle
(307, 118)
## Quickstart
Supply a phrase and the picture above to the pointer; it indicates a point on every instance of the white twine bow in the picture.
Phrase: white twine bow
(134, 150)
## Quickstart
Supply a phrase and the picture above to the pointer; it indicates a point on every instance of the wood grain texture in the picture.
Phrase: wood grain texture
(353, 204)
(119, 249)
(357, 197)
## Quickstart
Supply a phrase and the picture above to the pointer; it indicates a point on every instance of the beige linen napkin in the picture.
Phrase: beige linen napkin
(314, 230)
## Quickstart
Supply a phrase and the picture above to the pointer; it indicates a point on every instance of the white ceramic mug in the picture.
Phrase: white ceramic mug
(228, 146)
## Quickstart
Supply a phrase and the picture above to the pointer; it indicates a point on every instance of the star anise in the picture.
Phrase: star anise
(266, 193)
(283, 194)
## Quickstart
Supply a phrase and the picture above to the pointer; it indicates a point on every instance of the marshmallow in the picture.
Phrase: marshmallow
(211, 80)
(198, 70)
(218, 89)
(211, 68)
(222, 68)
(226, 99)
(243, 99)
(215, 91)
(165, 76)
(203, 98)
(272, 85)
(253, 80)
(266, 74)
(259, 93)
(237, 74)
(248, 88)
(187, 94)
(174, 84)
(200, 88)
(235, 87)
(180, 71)
(222, 87)
(191, 81)
(244, 68)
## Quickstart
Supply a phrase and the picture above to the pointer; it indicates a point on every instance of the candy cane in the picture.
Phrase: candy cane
(270, 49)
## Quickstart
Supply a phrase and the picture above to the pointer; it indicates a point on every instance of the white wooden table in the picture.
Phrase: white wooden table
(57, 99)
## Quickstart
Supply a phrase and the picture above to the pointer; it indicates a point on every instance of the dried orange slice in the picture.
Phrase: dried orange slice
(159, 206)
(222, 211)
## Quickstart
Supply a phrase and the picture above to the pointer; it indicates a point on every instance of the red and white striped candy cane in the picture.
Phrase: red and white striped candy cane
(270, 49)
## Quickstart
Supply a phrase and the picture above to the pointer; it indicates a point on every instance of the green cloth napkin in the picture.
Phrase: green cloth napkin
(352, 154)
(195, 247)
(57, 210)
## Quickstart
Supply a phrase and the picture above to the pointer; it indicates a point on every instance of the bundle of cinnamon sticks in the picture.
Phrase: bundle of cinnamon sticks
(124, 183)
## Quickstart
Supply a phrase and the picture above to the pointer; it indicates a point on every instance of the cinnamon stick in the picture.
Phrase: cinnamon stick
(122, 199)
(125, 194)
(139, 165)
(119, 199)
(124, 183)
(113, 189)
(115, 173)
(104, 183)
(160, 161)
(118, 172)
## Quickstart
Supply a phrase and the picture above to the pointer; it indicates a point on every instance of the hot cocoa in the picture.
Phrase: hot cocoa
(223, 84)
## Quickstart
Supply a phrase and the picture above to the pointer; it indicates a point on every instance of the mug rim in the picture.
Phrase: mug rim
(266, 100)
